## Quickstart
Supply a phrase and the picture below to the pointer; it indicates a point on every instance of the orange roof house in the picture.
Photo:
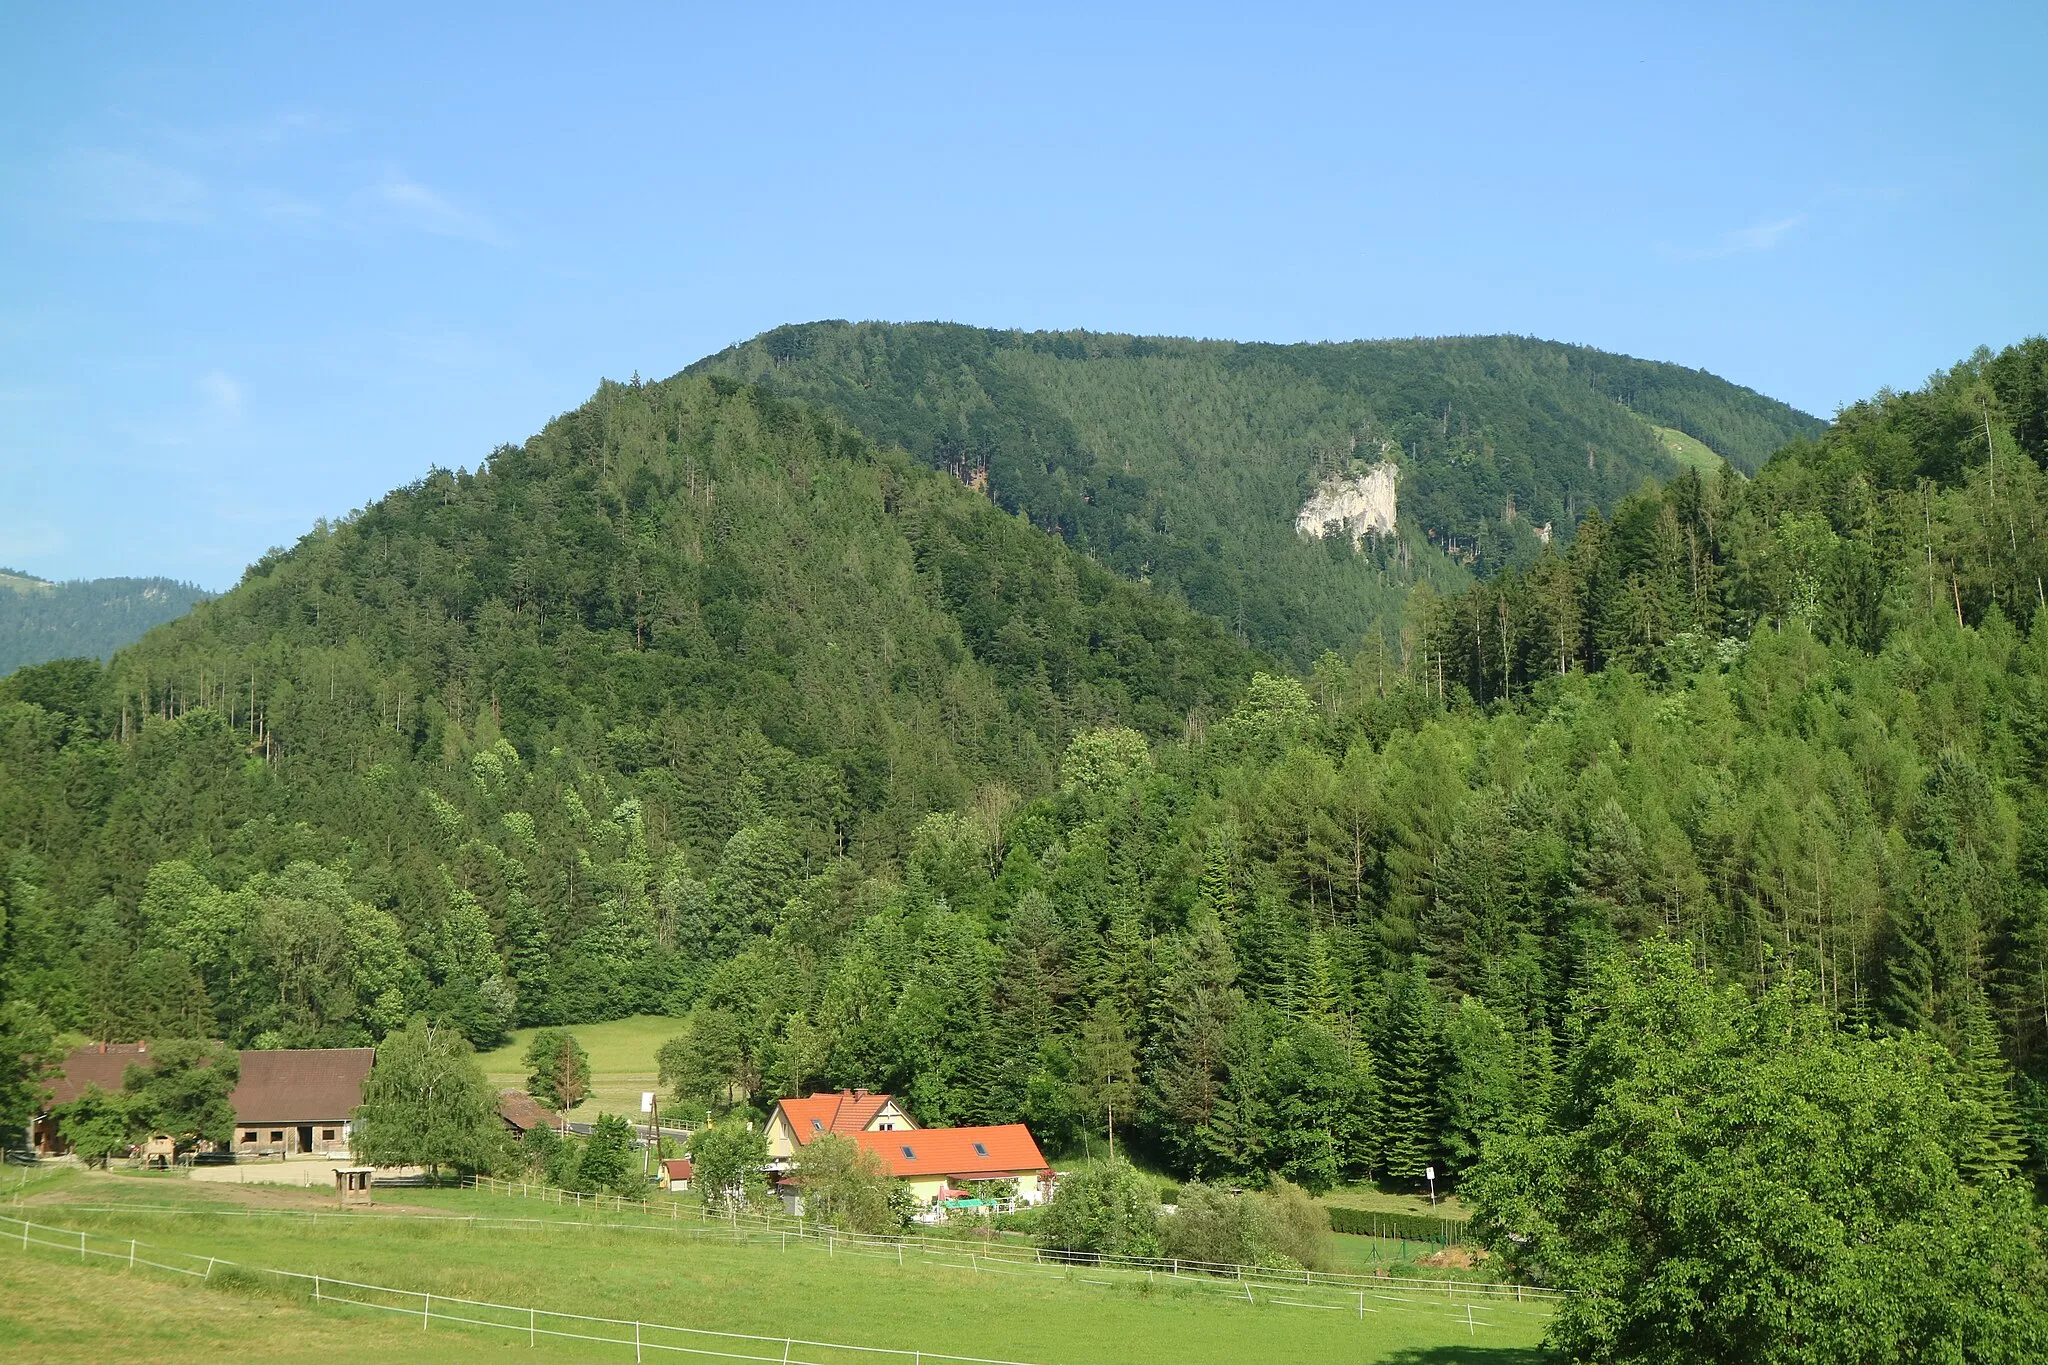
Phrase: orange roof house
(846, 1113)
(946, 1155)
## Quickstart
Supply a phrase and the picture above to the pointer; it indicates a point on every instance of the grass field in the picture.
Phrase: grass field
(621, 1062)
(1375, 1200)
(1686, 450)
(59, 1309)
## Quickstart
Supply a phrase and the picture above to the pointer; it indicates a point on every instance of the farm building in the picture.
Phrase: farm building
(301, 1100)
(521, 1113)
(676, 1174)
(104, 1065)
(847, 1113)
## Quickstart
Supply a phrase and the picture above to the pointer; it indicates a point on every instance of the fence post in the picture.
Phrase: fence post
(209, 1267)
(636, 1341)
(427, 1311)
(316, 1288)
(131, 1253)
(81, 1246)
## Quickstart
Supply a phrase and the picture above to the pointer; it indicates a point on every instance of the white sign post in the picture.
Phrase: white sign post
(1430, 1172)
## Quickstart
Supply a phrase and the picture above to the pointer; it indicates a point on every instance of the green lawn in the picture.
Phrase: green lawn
(1375, 1200)
(621, 1062)
(59, 1307)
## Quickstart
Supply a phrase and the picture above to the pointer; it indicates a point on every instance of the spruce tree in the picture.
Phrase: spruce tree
(1985, 1084)
(1189, 1064)
(1409, 1074)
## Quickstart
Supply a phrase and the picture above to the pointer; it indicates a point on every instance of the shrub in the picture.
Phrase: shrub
(1105, 1207)
(1295, 1225)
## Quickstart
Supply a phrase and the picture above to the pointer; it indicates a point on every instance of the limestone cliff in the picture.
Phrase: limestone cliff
(1358, 505)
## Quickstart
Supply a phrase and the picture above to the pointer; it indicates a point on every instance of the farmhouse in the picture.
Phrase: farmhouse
(846, 1113)
(289, 1102)
(937, 1162)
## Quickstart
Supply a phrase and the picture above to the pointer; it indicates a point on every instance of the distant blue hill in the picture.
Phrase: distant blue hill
(41, 620)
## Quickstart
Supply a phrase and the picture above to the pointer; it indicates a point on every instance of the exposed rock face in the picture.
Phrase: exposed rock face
(1360, 505)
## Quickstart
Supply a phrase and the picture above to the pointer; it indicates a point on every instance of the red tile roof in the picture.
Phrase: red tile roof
(101, 1064)
(958, 1153)
(522, 1111)
(844, 1111)
(678, 1169)
(301, 1085)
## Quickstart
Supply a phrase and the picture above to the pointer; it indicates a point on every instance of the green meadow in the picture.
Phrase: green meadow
(55, 1307)
(621, 1062)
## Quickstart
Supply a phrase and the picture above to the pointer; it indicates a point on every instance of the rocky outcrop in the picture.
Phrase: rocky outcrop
(1358, 505)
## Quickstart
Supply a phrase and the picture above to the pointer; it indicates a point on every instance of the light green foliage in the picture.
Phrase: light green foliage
(1105, 1207)
(1102, 758)
(426, 1103)
(183, 1092)
(727, 1159)
(607, 1163)
(558, 1069)
(1734, 1178)
(847, 1186)
(97, 1124)
(1278, 1226)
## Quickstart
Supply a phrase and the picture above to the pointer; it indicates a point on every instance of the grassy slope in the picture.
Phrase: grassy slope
(621, 1061)
(1687, 451)
(631, 1275)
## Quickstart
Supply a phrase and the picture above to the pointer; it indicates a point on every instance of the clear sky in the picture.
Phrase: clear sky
(257, 267)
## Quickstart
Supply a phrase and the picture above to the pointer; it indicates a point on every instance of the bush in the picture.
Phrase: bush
(1214, 1226)
(847, 1186)
(1280, 1229)
(1105, 1207)
(1021, 1220)
(1296, 1226)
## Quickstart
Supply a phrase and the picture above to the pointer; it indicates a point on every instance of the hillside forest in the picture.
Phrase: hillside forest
(89, 618)
(700, 702)
(1181, 464)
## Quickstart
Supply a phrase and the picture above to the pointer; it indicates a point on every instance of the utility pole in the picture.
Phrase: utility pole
(1112, 1130)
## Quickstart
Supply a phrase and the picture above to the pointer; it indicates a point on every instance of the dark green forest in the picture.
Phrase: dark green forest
(1182, 464)
(90, 618)
(703, 702)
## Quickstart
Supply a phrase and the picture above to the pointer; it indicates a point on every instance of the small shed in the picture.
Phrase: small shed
(352, 1184)
(675, 1175)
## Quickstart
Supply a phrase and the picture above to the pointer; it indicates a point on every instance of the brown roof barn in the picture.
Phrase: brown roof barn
(522, 1113)
(102, 1064)
(298, 1100)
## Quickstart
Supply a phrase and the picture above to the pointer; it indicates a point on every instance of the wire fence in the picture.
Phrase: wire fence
(429, 1307)
(769, 1226)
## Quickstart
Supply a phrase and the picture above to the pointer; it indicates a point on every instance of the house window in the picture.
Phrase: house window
(249, 1135)
(817, 1127)
(276, 1135)
(327, 1135)
(980, 1150)
(908, 1155)
(885, 1127)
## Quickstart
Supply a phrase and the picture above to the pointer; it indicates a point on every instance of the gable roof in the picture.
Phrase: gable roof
(963, 1153)
(845, 1112)
(522, 1111)
(301, 1084)
(101, 1064)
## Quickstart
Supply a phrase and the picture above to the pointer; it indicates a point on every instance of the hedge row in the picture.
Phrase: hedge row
(1414, 1227)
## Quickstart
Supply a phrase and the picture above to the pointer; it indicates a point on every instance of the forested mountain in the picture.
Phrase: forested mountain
(700, 701)
(1183, 463)
(89, 618)
(475, 738)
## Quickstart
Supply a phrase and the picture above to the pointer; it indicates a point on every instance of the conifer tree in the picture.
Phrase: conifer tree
(1189, 1062)
(1984, 1082)
(1409, 1075)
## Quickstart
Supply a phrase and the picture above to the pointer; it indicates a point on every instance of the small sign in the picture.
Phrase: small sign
(647, 1101)
(1428, 1172)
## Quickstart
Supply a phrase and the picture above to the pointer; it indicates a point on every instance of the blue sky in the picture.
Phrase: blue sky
(256, 267)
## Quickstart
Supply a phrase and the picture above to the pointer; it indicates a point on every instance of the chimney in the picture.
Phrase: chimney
(860, 1094)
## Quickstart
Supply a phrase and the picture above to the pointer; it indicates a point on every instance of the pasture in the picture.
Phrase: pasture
(621, 1062)
(631, 1269)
